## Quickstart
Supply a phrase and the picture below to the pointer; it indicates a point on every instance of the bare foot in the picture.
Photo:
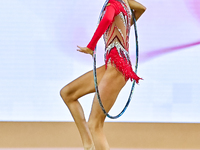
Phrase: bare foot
(91, 148)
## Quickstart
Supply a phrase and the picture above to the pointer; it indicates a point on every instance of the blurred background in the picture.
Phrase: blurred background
(38, 57)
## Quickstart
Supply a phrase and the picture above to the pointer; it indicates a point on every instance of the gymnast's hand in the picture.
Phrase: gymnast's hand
(85, 50)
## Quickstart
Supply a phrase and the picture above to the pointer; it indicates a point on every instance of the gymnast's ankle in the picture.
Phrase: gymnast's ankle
(90, 148)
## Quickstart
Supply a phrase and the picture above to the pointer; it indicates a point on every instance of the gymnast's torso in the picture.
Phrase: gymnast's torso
(115, 26)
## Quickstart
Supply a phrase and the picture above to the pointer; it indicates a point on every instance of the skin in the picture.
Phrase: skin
(91, 132)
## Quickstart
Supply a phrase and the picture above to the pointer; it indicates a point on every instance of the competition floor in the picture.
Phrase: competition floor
(80, 149)
(132, 136)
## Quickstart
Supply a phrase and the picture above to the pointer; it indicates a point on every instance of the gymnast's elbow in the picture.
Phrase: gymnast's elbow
(141, 9)
(136, 6)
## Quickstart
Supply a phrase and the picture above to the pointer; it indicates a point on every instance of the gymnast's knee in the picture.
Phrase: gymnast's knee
(95, 124)
(67, 94)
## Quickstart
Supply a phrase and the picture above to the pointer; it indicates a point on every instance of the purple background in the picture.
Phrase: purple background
(38, 57)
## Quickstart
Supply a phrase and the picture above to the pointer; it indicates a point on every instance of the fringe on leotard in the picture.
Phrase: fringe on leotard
(122, 63)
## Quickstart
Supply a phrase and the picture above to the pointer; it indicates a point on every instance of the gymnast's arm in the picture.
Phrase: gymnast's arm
(102, 27)
(138, 8)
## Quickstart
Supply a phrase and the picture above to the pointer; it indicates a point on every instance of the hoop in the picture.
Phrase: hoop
(95, 74)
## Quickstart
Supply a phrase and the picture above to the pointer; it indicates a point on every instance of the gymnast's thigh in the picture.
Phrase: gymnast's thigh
(84, 84)
(109, 87)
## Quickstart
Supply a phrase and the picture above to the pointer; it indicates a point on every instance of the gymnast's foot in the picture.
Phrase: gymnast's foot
(91, 148)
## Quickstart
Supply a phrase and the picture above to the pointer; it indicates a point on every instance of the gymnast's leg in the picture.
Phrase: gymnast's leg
(70, 95)
(109, 87)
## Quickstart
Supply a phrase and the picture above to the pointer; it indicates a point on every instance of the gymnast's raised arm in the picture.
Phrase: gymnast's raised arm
(138, 8)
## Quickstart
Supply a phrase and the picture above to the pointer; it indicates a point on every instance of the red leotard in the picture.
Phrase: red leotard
(115, 25)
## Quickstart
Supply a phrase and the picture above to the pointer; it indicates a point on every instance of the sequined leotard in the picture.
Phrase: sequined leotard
(115, 25)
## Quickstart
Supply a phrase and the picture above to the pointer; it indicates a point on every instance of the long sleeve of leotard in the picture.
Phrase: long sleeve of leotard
(102, 27)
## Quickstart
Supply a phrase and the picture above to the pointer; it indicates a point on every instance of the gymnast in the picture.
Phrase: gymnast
(115, 24)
